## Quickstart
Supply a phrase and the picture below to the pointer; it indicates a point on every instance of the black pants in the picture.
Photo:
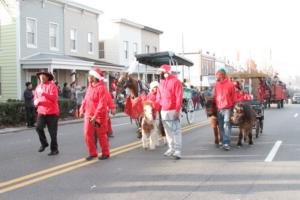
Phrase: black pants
(30, 116)
(51, 122)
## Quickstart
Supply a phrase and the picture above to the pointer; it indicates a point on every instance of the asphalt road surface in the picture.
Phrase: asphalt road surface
(267, 170)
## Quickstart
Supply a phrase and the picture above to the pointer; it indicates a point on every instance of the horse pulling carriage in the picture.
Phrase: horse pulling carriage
(257, 91)
(156, 60)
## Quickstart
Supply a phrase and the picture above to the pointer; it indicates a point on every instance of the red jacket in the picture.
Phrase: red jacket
(169, 94)
(95, 101)
(46, 98)
(113, 86)
(152, 97)
(111, 103)
(242, 96)
(224, 94)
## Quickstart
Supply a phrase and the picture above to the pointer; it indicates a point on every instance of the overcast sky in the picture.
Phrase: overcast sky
(221, 26)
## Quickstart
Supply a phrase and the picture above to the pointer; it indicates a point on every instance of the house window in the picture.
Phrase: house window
(147, 49)
(154, 49)
(126, 49)
(0, 35)
(0, 82)
(53, 36)
(101, 50)
(73, 40)
(31, 32)
(135, 48)
(91, 43)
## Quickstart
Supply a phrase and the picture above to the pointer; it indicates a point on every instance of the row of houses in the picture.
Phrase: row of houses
(202, 74)
(65, 38)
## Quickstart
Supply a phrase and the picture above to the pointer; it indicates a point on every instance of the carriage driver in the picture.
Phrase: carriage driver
(169, 96)
(224, 95)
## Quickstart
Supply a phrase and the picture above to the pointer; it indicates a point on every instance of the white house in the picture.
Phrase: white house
(120, 40)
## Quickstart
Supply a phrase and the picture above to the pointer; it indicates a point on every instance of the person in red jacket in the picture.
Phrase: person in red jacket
(46, 102)
(169, 96)
(112, 108)
(240, 94)
(94, 109)
(156, 110)
(224, 95)
(152, 95)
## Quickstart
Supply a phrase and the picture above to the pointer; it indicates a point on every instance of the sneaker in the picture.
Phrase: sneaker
(168, 153)
(226, 147)
(176, 155)
(220, 145)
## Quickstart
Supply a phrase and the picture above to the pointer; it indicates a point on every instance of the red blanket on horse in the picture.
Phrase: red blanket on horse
(134, 107)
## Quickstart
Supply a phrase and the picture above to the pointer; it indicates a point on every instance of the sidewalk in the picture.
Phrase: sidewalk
(60, 123)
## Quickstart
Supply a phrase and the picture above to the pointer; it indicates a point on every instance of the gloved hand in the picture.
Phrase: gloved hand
(39, 91)
(177, 116)
(36, 102)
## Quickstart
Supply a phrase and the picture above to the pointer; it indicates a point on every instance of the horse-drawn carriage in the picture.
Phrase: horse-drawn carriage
(156, 60)
(253, 82)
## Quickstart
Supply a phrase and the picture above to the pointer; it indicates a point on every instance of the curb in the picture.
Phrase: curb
(60, 123)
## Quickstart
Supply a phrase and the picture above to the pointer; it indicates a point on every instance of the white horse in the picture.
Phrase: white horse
(150, 135)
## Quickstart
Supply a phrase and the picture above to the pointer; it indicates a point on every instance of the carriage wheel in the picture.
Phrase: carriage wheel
(257, 126)
(190, 111)
(261, 124)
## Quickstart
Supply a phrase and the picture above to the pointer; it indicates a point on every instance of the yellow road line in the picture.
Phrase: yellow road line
(58, 167)
(25, 183)
(76, 164)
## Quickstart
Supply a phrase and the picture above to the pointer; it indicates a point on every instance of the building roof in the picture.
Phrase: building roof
(50, 57)
(147, 28)
(79, 6)
(99, 62)
(136, 25)
(129, 23)
(67, 62)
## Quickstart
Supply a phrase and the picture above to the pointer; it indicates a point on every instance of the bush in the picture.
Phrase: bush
(13, 111)
(67, 107)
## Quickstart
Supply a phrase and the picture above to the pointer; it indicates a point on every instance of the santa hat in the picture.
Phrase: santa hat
(165, 68)
(97, 73)
(153, 84)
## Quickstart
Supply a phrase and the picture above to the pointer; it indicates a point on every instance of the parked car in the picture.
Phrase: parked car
(296, 98)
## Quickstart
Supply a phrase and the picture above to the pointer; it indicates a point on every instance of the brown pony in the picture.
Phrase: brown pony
(245, 117)
(211, 111)
(136, 90)
(126, 81)
(149, 127)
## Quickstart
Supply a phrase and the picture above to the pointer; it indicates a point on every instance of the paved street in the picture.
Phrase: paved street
(204, 172)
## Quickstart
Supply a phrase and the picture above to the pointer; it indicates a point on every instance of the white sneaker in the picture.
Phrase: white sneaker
(226, 147)
(170, 152)
(177, 155)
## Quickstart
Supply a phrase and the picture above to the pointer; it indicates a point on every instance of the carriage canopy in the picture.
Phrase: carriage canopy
(159, 58)
(247, 75)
